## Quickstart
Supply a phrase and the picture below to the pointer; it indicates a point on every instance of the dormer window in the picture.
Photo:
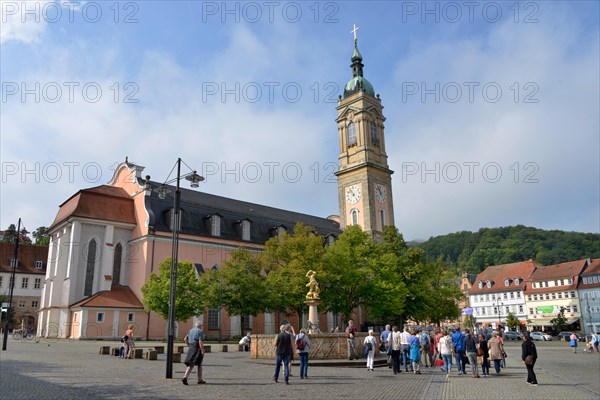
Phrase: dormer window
(488, 284)
(215, 225)
(170, 215)
(480, 285)
(506, 282)
(246, 229)
(279, 230)
(517, 281)
(330, 240)
(39, 264)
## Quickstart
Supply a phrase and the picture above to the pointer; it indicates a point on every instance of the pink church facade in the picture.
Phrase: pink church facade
(107, 240)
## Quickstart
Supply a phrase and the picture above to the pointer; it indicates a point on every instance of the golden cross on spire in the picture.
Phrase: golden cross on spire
(354, 31)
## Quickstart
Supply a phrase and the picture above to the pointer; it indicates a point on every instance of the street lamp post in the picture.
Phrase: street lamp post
(12, 284)
(194, 179)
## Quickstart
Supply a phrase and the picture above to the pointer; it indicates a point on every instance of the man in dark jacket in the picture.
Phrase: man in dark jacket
(529, 356)
(283, 348)
(470, 346)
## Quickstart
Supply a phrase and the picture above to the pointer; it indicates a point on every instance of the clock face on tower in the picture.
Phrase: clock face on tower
(380, 193)
(353, 194)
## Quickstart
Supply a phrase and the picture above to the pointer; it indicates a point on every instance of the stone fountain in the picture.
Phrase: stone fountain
(323, 346)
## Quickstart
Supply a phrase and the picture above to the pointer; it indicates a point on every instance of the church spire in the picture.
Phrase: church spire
(358, 82)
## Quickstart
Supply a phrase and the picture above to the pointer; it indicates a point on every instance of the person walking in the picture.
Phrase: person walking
(383, 338)
(470, 346)
(283, 345)
(426, 359)
(495, 350)
(292, 333)
(485, 364)
(573, 338)
(195, 355)
(303, 347)
(129, 344)
(415, 352)
(394, 347)
(405, 342)
(529, 357)
(351, 340)
(370, 346)
(446, 349)
(459, 351)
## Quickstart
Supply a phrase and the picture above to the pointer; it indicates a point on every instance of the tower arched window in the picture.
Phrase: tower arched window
(118, 255)
(374, 137)
(354, 216)
(351, 134)
(382, 218)
(90, 268)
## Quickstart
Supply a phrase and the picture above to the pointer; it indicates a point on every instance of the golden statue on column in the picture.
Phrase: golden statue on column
(312, 285)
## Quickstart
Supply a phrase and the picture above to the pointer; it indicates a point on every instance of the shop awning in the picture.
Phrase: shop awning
(572, 321)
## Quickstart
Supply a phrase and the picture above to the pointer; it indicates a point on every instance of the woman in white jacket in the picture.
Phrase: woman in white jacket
(370, 344)
(446, 349)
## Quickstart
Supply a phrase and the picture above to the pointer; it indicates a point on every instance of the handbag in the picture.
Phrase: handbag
(382, 346)
(479, 352)
(528, 360)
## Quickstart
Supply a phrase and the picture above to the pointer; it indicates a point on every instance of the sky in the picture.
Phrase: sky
(492, 108)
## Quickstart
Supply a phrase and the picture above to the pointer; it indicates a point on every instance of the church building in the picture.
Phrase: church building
(107, 240)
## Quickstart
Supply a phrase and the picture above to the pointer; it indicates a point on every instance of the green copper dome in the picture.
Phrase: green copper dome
(357, 84)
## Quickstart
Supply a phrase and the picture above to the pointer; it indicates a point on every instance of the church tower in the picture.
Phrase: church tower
(364, 178)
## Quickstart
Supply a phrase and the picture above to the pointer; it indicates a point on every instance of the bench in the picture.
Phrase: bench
(160, 349)
(104, 350)
(176, 357)
(115, 351)
(151, 355)
(180, 349)
(138, 353)
(225, 348)
(207, 348)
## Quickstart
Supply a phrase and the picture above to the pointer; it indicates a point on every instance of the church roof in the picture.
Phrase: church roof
(102, 202)
(197, 208)
(117, 297)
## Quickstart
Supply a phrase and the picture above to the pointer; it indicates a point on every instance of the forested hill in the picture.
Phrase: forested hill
(473, 251)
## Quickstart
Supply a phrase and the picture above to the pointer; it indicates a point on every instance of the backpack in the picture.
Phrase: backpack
(425, 340)
(300, 343)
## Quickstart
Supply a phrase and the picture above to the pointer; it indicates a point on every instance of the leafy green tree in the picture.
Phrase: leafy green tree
(238, 285)
(286, 260)
(444, 292)
(513, 322)
(349, 274)
(10, 234)
(559, 323)
(41, 236)
(188, 300)
(470, 323)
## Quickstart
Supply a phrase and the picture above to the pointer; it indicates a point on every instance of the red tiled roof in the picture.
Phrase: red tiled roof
(117, 297)
(593, 268)
(569, 269)
(102, 202)
(28, 255)
(498, 273)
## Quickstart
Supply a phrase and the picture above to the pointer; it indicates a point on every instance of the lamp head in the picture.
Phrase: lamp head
(194, 179)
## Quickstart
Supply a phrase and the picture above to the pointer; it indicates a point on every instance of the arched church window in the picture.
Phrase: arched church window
(90, 268)
(118, 254)
(354, 216)
(374, 137)
(351, 134)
